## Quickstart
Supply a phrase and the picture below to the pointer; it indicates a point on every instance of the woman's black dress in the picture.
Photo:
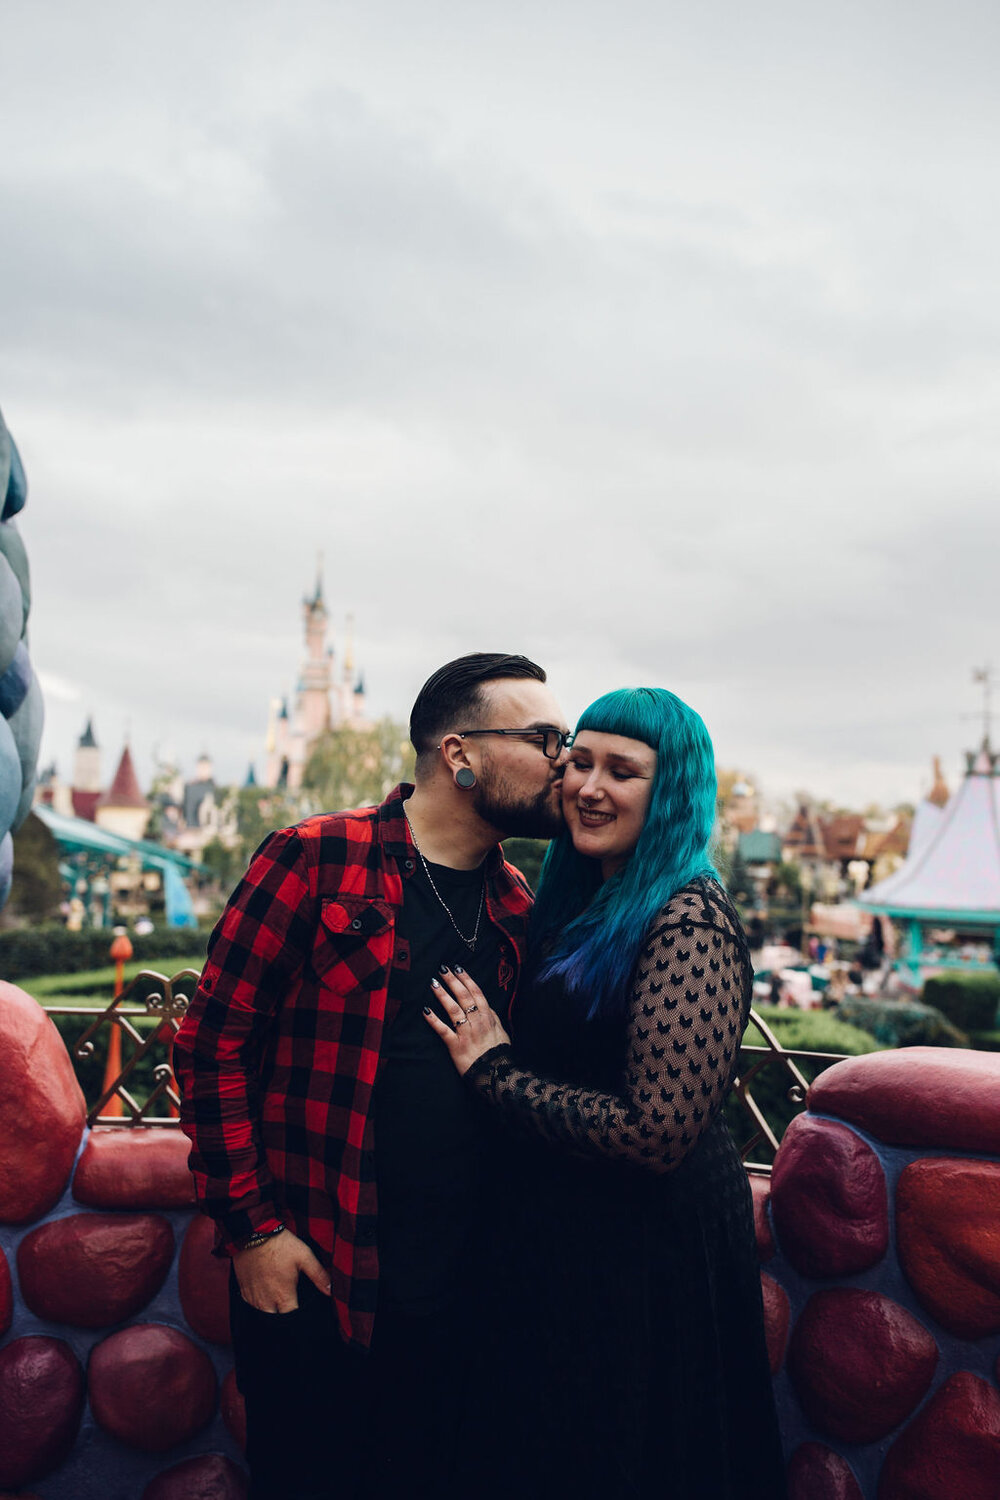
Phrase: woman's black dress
(636, 1363)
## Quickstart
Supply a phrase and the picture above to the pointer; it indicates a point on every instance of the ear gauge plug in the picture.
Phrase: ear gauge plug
(465, 777)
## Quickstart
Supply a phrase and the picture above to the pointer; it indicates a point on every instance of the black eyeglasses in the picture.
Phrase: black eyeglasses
(552, 741)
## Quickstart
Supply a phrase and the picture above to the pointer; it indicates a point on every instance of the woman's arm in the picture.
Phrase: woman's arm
(687, 1011)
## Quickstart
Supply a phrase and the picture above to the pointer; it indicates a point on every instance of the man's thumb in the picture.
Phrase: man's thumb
(312, 1268)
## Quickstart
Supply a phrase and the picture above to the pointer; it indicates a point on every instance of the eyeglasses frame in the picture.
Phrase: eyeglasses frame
(565, 738)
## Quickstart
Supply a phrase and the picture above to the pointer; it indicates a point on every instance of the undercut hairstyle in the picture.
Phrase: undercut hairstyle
(453, 697)
(593, 930)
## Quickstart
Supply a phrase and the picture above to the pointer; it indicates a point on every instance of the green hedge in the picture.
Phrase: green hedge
(985, 1041)
(27, 951)
(801, 1031)
(970, 1001)
(901, 1023)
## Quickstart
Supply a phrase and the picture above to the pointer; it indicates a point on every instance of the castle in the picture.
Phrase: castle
(324, 698)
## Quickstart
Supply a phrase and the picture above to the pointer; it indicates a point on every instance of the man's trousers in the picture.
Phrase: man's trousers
(327, 1422)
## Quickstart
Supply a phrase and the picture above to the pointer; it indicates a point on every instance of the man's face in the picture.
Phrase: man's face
(518, 787)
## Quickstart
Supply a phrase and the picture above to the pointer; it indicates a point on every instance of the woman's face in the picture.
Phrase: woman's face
(606, 789)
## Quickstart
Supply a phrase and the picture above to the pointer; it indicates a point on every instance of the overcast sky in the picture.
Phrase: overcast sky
(660, 341)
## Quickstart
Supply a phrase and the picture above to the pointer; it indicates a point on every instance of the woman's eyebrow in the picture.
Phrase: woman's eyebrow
(627, 760)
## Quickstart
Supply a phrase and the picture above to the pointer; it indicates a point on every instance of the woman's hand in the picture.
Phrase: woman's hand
(477, 1028)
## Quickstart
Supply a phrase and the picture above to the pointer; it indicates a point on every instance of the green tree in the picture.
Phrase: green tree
(37, 887)
(740, 882)
(356, 767)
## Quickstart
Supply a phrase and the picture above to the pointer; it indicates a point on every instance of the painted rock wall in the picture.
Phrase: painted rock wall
(881, 1243)
(21, 708)
(115, 1373)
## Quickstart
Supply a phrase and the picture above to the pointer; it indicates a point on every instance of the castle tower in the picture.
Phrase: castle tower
(313, 704)
(86, 789)
(123, 809)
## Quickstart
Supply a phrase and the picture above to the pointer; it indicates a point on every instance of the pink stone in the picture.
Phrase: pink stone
(777, 1314)
(817, 1473)
(92, 1270)
(234, 1410)
(859, 1363)
(142, 1167)
(41, 1401)
(203, 1282)
(6, 1297)
(208, 1477)
(917, 1096)
(760, 1187)
(829, 1199)
(951, 1449)
(40, 1102)
(151, 1387)
(948, 1238)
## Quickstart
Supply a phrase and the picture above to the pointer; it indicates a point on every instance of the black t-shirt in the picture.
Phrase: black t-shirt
(430, 1136)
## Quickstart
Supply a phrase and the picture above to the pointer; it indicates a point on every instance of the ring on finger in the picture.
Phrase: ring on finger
(463, 1022)
(471, 1009)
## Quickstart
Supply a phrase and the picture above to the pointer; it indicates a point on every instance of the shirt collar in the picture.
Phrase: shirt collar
(394, 831)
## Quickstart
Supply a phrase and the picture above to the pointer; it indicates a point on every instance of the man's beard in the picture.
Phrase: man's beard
(499, 802)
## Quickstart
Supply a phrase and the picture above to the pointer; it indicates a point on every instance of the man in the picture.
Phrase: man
(333, 1142)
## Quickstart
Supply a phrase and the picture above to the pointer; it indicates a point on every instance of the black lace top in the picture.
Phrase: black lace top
(688, 1006)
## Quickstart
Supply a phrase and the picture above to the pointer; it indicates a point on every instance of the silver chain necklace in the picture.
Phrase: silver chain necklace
(470, 942)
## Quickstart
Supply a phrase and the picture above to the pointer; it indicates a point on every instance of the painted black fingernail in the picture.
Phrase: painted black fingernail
(444, 969)
(459, 969)
(427, 1010)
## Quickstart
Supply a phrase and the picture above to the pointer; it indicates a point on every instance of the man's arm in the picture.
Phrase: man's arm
(254, 954)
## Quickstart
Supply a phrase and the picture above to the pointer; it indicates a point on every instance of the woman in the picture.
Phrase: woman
(639, 1367)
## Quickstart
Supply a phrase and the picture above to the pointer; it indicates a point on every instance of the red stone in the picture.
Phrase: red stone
(777, 1314)
(829, 1200)
(234, 1410)
(209, 1477)
(817, 1473)
(917, 1096)
(6, 1298)
(760, 1187)
(141, 1167)
(948, 1240)
(859, 1363)
(203, 1282)
(41, 1401)
(951, 1449)
(40, 1102)
(92, 1270)
(151, 1387)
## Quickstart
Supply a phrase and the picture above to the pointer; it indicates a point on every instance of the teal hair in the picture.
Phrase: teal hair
(598, 928)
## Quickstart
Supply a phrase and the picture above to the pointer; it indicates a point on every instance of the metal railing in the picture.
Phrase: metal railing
(155, 997)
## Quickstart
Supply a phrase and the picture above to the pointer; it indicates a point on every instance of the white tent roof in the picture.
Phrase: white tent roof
(952, 868)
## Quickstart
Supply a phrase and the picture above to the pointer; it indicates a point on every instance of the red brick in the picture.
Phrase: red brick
(92, 1270)
(829, 1200)
(951, 1449)
(860, 1363)
(141, 1167)
(917, 1096)
(40, 1102)
(151, 1387)
(948, 1238)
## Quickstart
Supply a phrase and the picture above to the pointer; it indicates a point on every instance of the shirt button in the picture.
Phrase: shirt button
(408, 864)
(356, 924)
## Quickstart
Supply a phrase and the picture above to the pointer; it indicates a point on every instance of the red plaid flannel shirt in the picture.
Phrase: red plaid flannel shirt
(278, 1054)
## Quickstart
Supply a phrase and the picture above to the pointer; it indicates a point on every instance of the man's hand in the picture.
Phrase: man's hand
(269, 1273)
(475, 1028)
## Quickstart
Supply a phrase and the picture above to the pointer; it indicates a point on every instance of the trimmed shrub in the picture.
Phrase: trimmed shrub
(985, 1041)
(27, 951)
(900, 1023)
(970, 1001)
(799, 1030)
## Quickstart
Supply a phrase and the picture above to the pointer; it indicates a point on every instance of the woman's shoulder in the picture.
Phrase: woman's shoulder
(701, 903)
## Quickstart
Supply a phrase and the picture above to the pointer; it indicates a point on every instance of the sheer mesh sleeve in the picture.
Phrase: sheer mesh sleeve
(688, 1006)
